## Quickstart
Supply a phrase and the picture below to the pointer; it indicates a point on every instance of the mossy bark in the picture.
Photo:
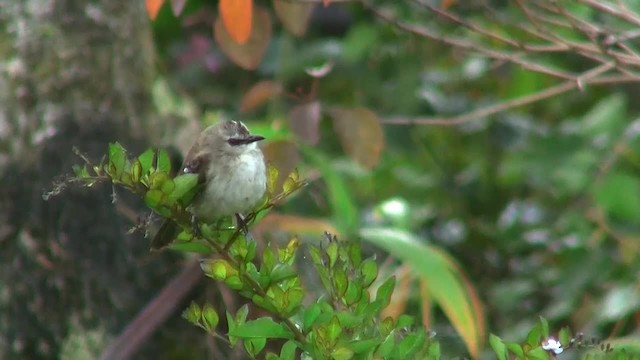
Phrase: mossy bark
(72, 73)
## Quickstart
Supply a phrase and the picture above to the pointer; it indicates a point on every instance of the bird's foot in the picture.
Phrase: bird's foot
(242, 224)
(195, 227)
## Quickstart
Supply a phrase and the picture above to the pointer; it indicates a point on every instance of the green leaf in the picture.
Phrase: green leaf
(254, 346)
(192, 314)
(564, 337)
(538, 354)
(117, 160)
(342, 353)
(387, 346)
(332, 252)
(209, 318)
(81, 171)
(282, 272)
(383, 295)
(369, 270)
(261, 328)
(534, 338)
(146, 160)
(334, 329)
(447, 283)
(619, 195)
(340, 282)
(288, 351)
(183, 184)
(153, 198)
(190, 247)
(272, 179)
(163, 162)
(361, 346)
(311, 315)
(498, 347)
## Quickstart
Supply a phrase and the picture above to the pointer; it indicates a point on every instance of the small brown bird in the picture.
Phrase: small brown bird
(231, 169)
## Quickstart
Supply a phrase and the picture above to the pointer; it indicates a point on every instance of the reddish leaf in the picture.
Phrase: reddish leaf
(248, 55)
(304, 121)
(237, 16)
(284, 156)
(326, 2)
(177, 6)
(360, 134)
(153, 7)
(294, 15)
(259, 94)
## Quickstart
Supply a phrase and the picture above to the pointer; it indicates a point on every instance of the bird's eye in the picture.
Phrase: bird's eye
(235, 141)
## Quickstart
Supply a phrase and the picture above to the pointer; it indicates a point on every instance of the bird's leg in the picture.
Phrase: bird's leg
(195, 228)
(242, 224)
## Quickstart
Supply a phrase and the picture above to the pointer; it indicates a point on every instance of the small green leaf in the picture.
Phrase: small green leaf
(369, 270)
(183, 184)
(383, 295)
(341, 353)
(81, 171)
(361, 346)
(136, 171)
(192, 314)
(311, 315)
(117, 160)
(340, 282)
(146, 160)
(218, 269)
(405, 320)
(498, 347)
(209, 318)
(516, 349)
(254, 346)
(261, 328)
(354, 292)
(384, 350)
(167, 187)
(288, 351)
(163, 162)
(334, 329)
(564, 337)
(535, 335)
(272, 179)
(538, 354)
(282, 272)
(332, 251)
(153, 198)
(190, 247)
(156, 180)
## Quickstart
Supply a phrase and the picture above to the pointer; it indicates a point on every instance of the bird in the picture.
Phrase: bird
(231, 176)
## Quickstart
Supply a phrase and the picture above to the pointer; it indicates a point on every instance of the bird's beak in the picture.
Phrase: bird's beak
(253, 138)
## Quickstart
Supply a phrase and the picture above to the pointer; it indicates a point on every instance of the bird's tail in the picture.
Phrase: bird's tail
(167, 233)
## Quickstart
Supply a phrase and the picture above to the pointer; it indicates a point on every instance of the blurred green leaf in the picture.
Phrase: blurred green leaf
(261, 328)
(446, 282)
(619, 195)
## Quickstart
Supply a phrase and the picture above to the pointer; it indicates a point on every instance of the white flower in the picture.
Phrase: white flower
(551, 344)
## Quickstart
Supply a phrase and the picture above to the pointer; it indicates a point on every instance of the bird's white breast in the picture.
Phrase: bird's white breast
(234, 187)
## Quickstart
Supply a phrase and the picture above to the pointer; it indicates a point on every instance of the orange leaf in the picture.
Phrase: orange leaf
(294, 15)
(360, 134)
(259, 94)
(153, 7)
(237, 16)
(326, 2)
(249, 54)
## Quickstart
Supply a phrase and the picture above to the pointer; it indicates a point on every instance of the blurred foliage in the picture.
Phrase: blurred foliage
(537, 204)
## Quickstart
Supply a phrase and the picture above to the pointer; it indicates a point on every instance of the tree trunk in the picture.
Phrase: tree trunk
(72, 73)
